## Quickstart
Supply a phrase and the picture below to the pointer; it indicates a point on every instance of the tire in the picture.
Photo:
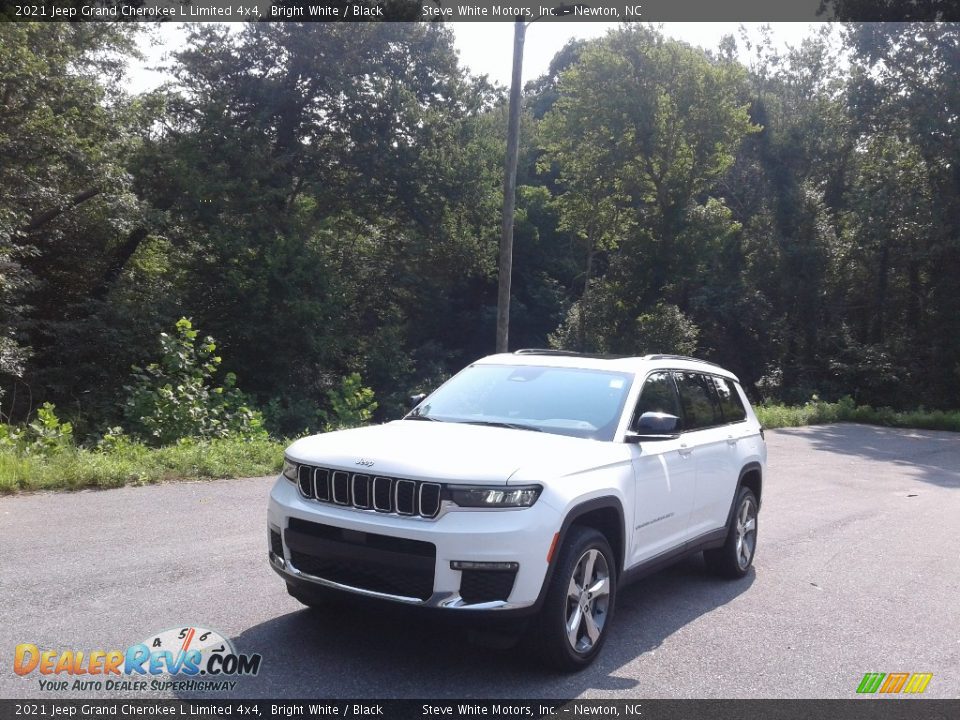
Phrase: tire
(568, 601)
(734, 558)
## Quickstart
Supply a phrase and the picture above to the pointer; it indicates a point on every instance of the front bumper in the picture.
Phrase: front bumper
(520, 536)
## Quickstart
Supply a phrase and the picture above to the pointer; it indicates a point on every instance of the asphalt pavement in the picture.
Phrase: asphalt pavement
(857, 570)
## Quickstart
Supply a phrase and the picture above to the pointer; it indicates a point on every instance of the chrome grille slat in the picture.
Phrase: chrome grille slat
(305, 480)
(382, 494)
(428, 499)
(321, 484)
(409, 498)
(405, 497)
(360, 491)
(341, 487)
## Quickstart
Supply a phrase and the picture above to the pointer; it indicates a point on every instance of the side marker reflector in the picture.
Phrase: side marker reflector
(553, 547)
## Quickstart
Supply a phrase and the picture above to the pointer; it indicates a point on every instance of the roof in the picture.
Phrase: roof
(636, 365)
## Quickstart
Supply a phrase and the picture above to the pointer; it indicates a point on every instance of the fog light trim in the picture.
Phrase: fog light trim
(483, 565)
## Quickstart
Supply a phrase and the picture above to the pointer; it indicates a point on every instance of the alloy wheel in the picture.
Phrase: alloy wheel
(746, 532)
(588, 598)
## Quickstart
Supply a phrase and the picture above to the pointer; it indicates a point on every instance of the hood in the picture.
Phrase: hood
(455, 452)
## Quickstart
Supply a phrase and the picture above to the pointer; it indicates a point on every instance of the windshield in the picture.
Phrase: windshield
(565, 401)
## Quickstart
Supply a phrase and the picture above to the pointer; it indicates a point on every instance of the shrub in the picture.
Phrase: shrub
(176, 397)
(817, 411)
(46, 435)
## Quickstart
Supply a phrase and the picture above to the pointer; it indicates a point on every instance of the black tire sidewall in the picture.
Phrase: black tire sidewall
(552, 625)
(744, 494)
(730, 549)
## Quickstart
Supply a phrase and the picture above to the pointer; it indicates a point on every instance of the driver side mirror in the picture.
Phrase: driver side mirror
(654, 426)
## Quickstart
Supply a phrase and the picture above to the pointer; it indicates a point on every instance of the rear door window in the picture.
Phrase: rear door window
(701, 407)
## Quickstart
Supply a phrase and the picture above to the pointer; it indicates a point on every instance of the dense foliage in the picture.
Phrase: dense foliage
(178, 396)
(324, 200)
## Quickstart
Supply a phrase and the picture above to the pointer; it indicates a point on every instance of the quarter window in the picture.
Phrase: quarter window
(698, 396)
(730, 402)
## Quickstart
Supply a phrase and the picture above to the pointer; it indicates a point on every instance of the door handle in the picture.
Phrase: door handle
(684, 450)
(731, 440)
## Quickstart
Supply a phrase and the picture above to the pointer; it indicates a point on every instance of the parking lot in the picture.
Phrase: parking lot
(856, 571)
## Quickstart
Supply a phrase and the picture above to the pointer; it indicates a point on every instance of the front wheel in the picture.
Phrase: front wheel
(573, 623)
(733, 560)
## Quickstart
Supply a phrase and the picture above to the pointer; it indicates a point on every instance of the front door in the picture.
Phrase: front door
(665, 476)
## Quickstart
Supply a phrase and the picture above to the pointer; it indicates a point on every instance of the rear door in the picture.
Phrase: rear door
(705, 437)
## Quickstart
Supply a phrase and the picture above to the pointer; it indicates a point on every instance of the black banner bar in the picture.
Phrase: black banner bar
(477, 10)
(873, 708)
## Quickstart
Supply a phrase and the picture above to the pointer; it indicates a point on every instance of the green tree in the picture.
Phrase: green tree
(904, 90)
(345, 217)
(770, 307)
(67, 202)
(642, 131)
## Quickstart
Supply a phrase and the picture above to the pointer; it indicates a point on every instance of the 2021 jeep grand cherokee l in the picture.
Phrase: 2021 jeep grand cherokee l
(533, 483)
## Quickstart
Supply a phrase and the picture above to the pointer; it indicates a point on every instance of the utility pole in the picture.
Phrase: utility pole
(505, 270)
(510, 190)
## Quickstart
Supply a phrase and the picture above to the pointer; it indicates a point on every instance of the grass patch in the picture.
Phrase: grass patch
(818, 412)
(132, 463)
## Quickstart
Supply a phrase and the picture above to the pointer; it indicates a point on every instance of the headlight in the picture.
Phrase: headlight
(495, 497)
(289, 470)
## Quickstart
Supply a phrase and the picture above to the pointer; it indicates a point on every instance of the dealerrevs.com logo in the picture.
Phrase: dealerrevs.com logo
(179, 659)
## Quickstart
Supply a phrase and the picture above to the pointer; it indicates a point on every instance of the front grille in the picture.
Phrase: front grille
(477, 586)
(385, 564)
(369, 492)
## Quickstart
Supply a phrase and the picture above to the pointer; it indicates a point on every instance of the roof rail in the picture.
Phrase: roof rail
(544, 351)
(566, 353)
(680, 357)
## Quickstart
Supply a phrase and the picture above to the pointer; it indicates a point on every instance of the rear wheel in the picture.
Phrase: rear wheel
(574, 621)
(733, 560)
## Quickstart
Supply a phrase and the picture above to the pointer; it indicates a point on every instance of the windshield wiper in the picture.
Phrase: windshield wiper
(494, 423)
(422, 417)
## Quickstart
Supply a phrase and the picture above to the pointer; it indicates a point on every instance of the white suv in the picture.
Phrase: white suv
(534, 483)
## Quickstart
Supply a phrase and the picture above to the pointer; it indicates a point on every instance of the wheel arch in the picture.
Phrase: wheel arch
(751, 476)
(604, 514)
